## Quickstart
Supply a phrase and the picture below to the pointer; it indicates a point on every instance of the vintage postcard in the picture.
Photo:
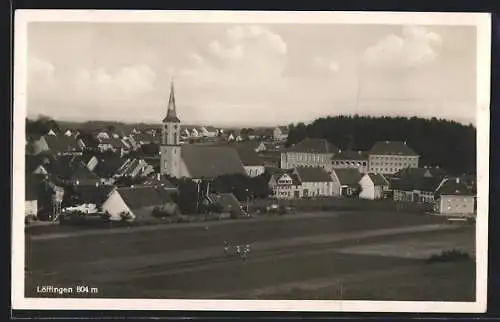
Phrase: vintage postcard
(251, 161)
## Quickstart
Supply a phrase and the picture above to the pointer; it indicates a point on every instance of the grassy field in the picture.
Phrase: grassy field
(374, 255)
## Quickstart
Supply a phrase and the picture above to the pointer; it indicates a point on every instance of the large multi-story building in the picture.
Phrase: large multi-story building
(309, 153)
(351, 160)
(389, 157)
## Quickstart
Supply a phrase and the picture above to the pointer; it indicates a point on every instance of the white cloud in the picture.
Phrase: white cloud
(414, 47)
(245, 56)
(51, 88)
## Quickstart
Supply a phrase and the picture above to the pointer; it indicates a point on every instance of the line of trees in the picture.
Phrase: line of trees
(439, 142)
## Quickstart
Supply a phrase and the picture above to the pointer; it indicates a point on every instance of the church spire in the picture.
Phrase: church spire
(171, 111)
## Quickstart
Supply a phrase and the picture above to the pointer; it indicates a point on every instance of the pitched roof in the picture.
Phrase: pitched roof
(144, 196)
(378, 179)
(61, 143)
(392, 148)
(410, 183)
(142, 137)
(227, 200)
(93, 194)
(313, 174)
(348, 177)
(69, 167)
(32, 162)
(211, 161)
(249, 157)
(108, 165)
(421, 172)
(350, 155)
(453, 186)
(313, 146)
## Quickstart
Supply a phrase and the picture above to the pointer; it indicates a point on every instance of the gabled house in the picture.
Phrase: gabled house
(280, 133)
(315, 182)
(133, 168)
(345, 181)
(103, 135)
(416, 184)
(285, 184)
(138, 201)
(373, 186)
(57, 145)
(389, 157)
(454, 198)
(68, 133)
(208, 131)
(51, 132)
(227, 203)
(309, 153)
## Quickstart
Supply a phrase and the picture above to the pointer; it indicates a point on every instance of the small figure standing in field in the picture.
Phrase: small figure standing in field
(238, 250)
(226, 247)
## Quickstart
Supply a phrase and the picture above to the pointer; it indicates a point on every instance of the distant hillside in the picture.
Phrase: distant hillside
(439, 142)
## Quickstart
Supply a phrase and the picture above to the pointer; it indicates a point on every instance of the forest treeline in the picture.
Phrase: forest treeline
(442, 143)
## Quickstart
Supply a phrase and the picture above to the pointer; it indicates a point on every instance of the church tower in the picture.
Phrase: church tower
(170, 148)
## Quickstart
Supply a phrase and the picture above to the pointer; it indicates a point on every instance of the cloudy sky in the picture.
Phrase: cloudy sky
(249, 74)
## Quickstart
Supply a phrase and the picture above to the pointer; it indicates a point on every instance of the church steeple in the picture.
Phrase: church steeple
(171, 111)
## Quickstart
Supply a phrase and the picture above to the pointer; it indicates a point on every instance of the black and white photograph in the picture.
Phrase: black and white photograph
(262, 161)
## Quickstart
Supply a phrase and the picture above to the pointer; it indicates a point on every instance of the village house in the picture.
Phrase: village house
(32, 189)
(209, 131)
(453, 198)
(301, 182)
(128, 203)
(351, 159)
(138, 201)
(389, 157)
(193, 161)
(309, 153)
(373, 186)
(345, 181)
(133, 168)
(227, 203)
(280, 133)
(285, 184)
(416, 184)
(58, 145)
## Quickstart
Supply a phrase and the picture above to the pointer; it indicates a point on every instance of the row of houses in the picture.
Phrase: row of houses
(428, 186)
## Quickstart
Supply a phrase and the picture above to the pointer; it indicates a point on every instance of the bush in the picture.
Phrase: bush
(165, 211)
(450, 256)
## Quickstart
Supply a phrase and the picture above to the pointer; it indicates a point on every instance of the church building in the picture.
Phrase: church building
(191, 160)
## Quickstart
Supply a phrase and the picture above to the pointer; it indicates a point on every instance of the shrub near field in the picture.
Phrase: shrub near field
(339, 204)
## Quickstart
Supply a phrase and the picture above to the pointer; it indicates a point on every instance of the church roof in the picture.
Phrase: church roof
(204, 161)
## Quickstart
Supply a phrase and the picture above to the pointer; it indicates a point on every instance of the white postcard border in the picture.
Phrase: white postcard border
(482, 21)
